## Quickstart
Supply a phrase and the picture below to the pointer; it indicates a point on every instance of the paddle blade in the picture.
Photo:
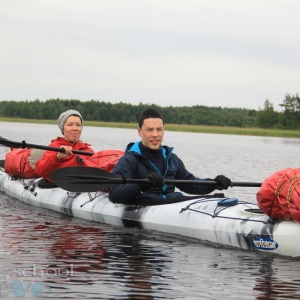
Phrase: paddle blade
(84, 179)
(89, 179)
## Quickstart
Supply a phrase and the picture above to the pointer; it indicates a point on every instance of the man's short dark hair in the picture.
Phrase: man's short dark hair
(149, 113)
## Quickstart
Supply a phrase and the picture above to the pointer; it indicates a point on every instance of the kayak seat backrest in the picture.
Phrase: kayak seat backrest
(45, 184)
(254, 210)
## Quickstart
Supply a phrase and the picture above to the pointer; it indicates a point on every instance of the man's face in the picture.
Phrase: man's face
(152, 133)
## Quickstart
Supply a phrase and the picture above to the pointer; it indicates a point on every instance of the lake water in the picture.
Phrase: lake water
(44, 254)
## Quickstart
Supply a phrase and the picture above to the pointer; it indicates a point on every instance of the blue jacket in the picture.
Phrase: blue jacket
(135, 165)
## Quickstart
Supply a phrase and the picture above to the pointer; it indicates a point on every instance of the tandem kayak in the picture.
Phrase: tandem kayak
(221, 221)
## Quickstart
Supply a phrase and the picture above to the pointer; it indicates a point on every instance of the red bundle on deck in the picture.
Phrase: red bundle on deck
(21, 162)
(105, 159)
(279, 195)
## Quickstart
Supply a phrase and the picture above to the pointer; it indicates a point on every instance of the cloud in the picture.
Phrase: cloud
(216, 53)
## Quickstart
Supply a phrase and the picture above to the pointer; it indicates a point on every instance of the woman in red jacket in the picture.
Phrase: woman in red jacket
(70, 124)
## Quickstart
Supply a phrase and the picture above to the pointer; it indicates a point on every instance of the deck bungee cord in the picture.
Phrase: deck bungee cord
(221, 208)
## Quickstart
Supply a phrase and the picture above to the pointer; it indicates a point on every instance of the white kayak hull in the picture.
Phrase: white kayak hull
(241, 226)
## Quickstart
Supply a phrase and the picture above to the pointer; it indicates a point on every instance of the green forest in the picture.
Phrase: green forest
(95, 110)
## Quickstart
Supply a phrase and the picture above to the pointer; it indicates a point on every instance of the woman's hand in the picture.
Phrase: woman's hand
(68, 152)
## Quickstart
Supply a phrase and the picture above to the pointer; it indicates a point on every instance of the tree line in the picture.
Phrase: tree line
(100, 111)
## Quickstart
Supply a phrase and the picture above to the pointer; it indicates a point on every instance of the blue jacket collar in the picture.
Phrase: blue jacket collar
(135, 148)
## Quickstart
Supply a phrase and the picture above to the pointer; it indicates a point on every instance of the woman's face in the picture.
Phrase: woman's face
(72, 129)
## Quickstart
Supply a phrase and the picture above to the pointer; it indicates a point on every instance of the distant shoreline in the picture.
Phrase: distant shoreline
(184, 128)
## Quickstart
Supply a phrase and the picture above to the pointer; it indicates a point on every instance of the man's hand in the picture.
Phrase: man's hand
(156, 180)
(223, 182)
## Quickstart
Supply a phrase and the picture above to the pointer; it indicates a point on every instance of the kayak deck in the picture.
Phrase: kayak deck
(241, 225)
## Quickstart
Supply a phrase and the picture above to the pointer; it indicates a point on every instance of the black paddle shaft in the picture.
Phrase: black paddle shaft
(24, 145)
(87, 179)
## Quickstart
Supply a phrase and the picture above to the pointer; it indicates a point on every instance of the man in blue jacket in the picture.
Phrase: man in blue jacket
(149, 159)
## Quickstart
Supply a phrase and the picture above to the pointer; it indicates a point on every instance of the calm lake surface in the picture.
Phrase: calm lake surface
(44, 254)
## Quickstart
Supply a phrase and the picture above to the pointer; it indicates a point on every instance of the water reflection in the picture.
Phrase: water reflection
(135, 264)
(74, 258)
(71, 258)
(276, 279)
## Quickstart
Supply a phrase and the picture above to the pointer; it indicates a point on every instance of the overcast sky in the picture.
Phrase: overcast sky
(228, 53)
